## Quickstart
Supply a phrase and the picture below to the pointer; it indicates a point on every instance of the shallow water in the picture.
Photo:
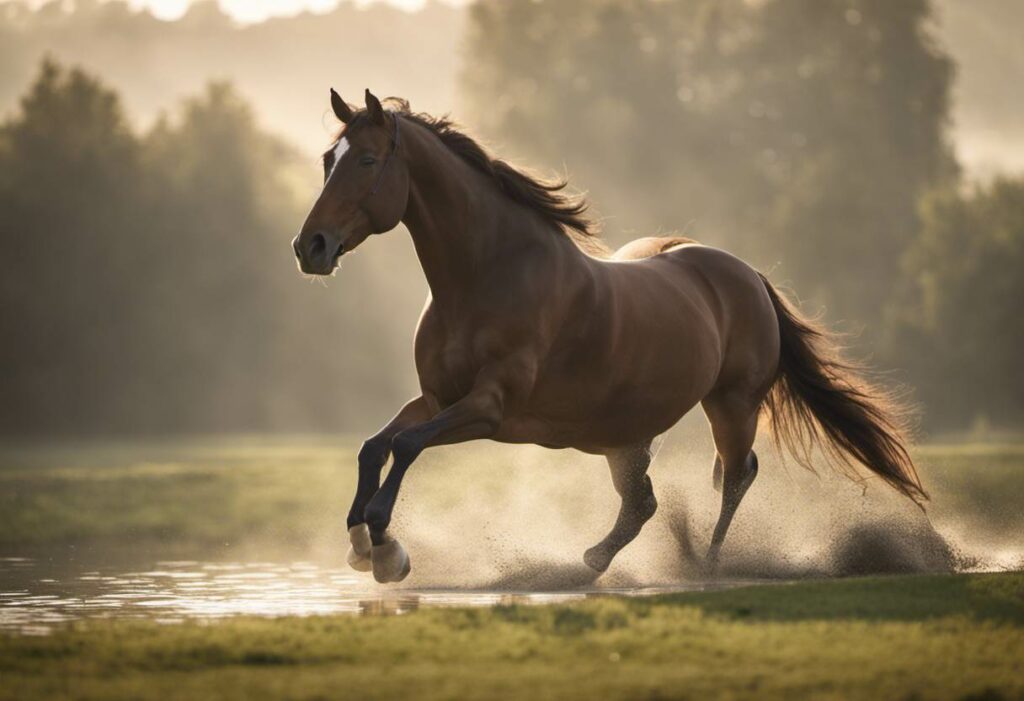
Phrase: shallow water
(37, 595)
(219, 531)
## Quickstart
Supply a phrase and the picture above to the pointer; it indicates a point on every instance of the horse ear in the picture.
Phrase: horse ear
(341, 110)
(374, 109)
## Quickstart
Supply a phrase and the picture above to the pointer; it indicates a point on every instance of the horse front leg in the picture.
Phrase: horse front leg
(477, 415)
(372, 458)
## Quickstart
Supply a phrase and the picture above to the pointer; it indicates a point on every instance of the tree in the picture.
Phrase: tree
(69, 176)
(148, 282)
(797, 133)
(960, 328)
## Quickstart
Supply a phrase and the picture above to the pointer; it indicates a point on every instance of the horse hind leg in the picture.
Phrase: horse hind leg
(629, 475)
(716, 474)
(734, 426)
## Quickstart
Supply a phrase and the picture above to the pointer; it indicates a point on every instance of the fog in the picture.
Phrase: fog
(153, 174)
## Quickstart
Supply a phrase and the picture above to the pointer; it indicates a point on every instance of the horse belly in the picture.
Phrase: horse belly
(626, 416)
(629, 382)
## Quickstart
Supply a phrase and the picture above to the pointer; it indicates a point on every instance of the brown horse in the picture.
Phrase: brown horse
(535, 333)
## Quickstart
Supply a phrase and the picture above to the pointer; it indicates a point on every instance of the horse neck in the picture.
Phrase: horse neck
(457, 218)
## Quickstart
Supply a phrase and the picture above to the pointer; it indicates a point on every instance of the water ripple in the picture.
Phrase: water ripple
(38, 595)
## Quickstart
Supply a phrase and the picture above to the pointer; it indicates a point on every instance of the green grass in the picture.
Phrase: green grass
(925, 637)
(936, 637)
(186, 494)
(205, 494)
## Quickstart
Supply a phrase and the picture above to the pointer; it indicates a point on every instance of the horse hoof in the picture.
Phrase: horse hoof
(596, 558)
(359, 563)
(359, 552)
(390, 562)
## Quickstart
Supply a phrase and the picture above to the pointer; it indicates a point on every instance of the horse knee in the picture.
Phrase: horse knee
(374, 452)
(405, 448)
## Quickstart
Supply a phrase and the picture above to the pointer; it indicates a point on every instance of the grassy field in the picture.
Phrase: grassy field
(935, 637)
(204, 494)
(217, 493)
(913, 637)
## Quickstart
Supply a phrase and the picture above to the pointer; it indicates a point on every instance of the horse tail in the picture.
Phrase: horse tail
(820, 398)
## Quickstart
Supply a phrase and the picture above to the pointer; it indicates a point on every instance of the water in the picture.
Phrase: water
(513, 533)
(38, 595)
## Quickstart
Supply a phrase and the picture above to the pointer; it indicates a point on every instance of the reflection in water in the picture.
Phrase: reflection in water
(36, 595)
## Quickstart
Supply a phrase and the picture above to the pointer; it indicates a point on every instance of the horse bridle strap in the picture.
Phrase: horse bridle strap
(387, 159)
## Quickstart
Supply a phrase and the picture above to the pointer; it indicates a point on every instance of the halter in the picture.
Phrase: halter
(387, 159)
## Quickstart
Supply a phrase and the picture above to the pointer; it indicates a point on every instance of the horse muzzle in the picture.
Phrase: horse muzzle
(318, 252)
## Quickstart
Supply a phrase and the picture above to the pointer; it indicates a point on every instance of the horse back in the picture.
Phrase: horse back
(650, 246)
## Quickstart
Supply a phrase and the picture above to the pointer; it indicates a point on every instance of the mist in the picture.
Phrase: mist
(162, 298)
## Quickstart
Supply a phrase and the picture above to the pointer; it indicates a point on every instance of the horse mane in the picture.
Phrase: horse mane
(545, 197)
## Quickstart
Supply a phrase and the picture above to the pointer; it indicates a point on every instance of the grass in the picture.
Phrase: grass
(201, 494)
(209, 494)
(949, 637)
(919, 637)
(933, 637)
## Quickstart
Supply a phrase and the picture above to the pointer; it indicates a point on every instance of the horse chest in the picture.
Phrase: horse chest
(448, 372)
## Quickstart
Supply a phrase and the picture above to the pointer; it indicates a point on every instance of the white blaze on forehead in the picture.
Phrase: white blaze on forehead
(339, 150)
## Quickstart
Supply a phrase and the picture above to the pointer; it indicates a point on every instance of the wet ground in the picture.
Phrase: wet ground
(212, 528)
(37, 595)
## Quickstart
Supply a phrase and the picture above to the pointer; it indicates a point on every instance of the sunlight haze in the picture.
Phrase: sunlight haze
(428, 348)
(249, 11)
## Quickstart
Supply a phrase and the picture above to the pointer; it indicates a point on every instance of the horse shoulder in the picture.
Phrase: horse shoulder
(452, 355)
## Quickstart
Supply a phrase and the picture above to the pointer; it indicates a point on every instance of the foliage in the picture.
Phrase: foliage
(148, 281)
(961, 329)
(951, 637)
(796, 133)
(145, 276)
(800, 134)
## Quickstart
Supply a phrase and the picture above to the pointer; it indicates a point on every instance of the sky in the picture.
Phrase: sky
(259, 10)
(249, 11)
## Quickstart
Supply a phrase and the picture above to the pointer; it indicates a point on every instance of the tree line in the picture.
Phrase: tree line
(148, 281)
(146, 278)
(809, 136)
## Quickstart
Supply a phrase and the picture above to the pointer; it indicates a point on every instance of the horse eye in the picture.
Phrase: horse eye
(367, 160)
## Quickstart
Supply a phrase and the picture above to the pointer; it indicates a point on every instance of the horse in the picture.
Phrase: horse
(534, 332)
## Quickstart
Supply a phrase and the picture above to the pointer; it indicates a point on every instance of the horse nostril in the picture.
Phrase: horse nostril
(317, 245)
(341, 249)
(295, 248)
